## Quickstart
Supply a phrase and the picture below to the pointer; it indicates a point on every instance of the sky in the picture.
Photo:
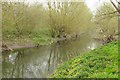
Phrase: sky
(93, 4)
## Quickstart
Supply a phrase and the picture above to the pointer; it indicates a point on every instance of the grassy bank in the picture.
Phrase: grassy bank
(99, 63)
(41, 37)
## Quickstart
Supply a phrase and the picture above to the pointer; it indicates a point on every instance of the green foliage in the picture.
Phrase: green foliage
(42, 36)
(99, 63)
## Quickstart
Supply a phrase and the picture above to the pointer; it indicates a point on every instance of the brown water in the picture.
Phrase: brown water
(43, 61)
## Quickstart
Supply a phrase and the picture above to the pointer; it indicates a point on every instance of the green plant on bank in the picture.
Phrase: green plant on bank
(99, 63)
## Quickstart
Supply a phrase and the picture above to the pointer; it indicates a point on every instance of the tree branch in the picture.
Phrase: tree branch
(115, 6)
(118, 2)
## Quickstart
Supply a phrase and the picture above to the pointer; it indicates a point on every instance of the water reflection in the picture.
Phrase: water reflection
(41, 62)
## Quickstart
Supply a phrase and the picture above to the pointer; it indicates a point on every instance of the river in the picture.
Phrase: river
(42, 62)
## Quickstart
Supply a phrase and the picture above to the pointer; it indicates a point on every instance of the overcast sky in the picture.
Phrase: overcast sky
(93, 4)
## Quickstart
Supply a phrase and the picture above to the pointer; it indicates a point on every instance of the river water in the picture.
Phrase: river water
(42, 62)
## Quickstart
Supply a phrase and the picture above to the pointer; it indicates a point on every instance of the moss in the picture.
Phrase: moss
(99, 63)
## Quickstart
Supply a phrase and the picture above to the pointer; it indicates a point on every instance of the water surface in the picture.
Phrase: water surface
(43, 61)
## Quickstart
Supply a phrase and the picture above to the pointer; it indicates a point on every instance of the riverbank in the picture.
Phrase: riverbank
(9, 45)
(31, 41)
(99, 63)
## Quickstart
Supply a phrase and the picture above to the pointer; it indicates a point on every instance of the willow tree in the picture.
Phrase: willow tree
(20, 18)
(69, 17)
(106, 21)
(13, 16)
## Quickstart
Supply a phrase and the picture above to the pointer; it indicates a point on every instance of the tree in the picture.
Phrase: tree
(106, 20)
(21, 19)
(69, 17)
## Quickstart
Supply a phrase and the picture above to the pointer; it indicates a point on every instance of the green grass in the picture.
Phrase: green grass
(99, 63)
(40, 36)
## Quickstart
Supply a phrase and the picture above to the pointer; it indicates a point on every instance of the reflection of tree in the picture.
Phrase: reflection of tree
(53, 57)
(64, 51)
(49, 59)
(18, 69)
